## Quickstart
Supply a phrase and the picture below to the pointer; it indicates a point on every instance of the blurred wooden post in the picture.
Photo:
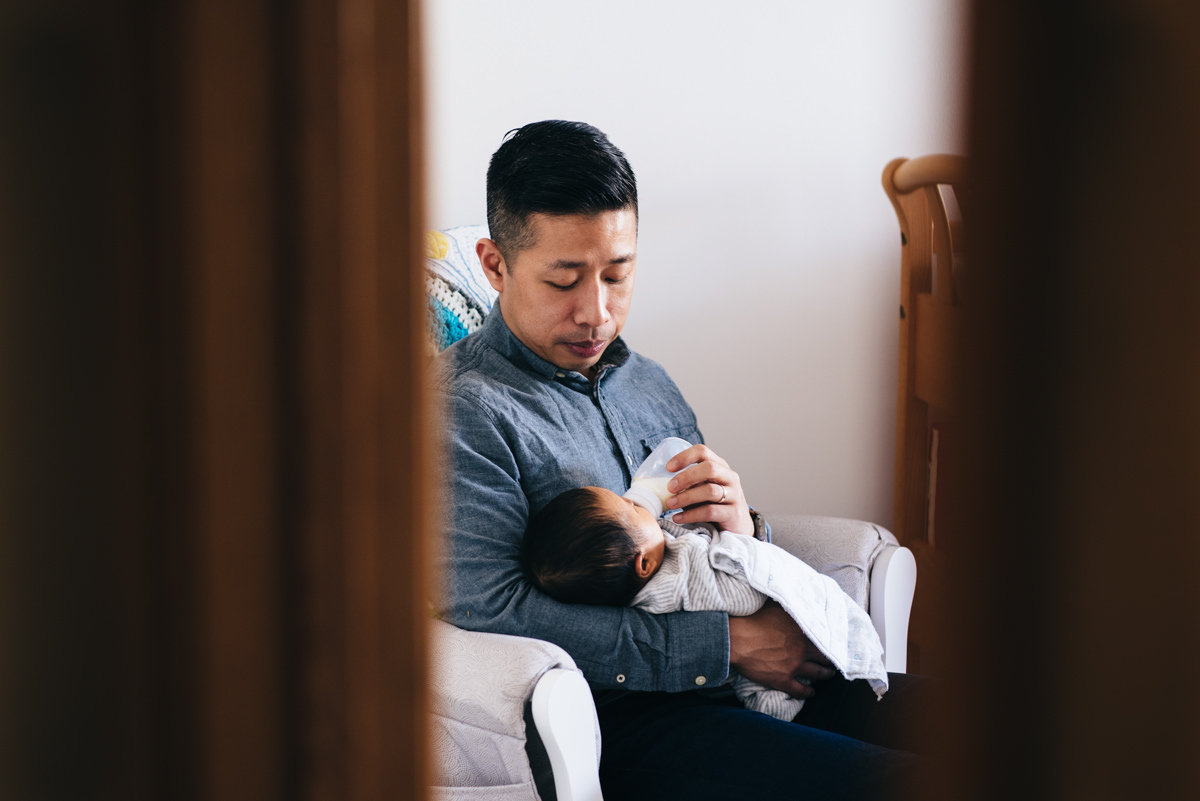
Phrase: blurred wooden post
(367, 483)
(1077, 652)
(214, 466)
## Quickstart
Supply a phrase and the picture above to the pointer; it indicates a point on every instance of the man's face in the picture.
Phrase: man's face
(567, 297)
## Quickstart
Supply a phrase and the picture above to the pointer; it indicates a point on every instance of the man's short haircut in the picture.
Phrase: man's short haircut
(553, 167)
(577, 552)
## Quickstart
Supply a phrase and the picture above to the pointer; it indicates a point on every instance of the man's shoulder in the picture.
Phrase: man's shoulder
(473, 378)
(639, 362)
(462, 365)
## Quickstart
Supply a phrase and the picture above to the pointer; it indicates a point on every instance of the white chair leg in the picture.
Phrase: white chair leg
(893, 581)
(565, 716)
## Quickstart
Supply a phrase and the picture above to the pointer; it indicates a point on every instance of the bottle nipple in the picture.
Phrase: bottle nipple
(649, 485)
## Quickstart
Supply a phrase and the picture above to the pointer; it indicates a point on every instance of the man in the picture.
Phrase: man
(546, 397)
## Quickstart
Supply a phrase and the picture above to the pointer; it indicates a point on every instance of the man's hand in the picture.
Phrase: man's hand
(769, 648)
(708, 491)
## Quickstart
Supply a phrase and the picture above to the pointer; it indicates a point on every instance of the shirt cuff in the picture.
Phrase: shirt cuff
(700, 642)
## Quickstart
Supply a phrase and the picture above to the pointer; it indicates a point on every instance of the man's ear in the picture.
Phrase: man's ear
(492, 261)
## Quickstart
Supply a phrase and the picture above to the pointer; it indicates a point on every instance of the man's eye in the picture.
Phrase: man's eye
(561, 287)
(620, 280)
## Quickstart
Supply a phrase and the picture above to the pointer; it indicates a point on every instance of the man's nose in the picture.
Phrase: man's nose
(592, 307)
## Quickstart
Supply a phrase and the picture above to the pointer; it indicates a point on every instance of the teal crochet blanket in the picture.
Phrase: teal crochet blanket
(457, 296)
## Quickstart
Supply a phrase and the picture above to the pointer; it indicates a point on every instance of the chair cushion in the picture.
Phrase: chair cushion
(457, 295)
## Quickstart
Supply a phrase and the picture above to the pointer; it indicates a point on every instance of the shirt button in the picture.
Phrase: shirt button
(559, 374)
(700, 681)
(620, 678)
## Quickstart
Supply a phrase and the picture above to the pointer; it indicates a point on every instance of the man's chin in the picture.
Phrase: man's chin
(580, 358)
(587, 353)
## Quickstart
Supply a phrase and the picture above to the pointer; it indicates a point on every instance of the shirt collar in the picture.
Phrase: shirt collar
(497, 335)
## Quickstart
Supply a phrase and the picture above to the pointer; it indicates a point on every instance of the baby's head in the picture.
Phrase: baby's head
(591, 546)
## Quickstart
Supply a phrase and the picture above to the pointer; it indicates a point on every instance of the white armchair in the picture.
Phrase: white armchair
(513, 716)
(488, 688)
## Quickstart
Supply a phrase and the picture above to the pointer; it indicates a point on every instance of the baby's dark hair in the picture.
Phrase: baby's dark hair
(578, 552)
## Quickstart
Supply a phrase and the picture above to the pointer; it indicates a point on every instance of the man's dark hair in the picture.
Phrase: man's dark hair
(553, 167)
(577, 552)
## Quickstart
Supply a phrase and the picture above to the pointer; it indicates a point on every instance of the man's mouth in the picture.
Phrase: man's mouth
(587, 348)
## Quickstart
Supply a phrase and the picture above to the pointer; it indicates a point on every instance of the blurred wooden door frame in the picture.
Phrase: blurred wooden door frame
(368, 482)
(1082, 381)
(216, 487)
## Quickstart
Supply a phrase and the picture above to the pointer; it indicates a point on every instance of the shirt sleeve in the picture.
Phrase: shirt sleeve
(486, 589)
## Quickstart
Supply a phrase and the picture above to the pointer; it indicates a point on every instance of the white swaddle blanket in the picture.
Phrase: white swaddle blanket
(707, 570)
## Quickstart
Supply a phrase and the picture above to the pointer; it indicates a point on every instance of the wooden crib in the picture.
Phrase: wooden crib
(926, 193)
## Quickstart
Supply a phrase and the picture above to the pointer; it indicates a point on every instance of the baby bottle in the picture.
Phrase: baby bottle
(649, 489)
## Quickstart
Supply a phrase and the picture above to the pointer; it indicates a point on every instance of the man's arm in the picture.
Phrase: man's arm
(487, 590)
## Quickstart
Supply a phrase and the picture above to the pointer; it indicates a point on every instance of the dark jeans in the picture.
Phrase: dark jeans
(844, 744)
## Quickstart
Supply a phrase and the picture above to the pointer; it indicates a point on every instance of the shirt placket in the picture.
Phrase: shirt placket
(629, 455)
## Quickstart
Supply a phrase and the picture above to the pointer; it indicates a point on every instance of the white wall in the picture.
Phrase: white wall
(768, 265)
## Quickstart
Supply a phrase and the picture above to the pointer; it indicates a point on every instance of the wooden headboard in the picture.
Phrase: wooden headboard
(926, 193)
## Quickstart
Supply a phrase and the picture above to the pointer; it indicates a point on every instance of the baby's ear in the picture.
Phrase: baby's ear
(643, 565)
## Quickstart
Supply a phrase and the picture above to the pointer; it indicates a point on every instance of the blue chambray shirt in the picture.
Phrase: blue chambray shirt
(519, 431)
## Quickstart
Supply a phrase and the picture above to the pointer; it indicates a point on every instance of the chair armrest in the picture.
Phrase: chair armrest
(893, 582)
(562, 707)
(482, 686)
(866, 561)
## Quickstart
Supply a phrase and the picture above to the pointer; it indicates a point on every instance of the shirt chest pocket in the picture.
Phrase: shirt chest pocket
(649, 442)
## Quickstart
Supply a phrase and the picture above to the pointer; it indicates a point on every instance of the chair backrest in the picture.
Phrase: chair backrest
(457, 295)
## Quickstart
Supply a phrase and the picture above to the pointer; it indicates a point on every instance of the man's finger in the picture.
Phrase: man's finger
(815, 671)
(719, 513)
(697, 454)
(694, 476)
(799, 690)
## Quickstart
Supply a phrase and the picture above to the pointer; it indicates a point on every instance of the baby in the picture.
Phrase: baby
(591, 546)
